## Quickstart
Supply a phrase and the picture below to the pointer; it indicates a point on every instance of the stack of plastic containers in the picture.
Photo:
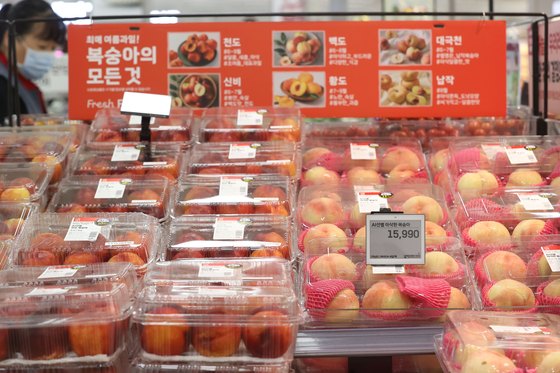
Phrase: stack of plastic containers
(423, 129)
(13, 216)
(25, 182)
(499, 342)
(321, 134)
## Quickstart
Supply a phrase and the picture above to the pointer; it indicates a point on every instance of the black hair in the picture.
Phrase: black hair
(54, 30)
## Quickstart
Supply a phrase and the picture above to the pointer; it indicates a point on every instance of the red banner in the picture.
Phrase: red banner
(326, 69)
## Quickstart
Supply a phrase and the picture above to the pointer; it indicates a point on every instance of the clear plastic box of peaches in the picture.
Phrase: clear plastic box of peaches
(244, 159)
(339, 290)
(258, 125)
(475, 341)
(148, 194)
(52, 239)
(25, 182)
(322, 134)
(240, 236)
(128, 160)
(234, 194)
(110, 126)
(364, 161)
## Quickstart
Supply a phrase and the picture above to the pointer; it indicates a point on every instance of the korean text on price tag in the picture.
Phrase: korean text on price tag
(371, 201)
(230, 228)
(250, 117)
(85, 229)
(234, 185)
(363, 151)
(243, 151)
(111, 188)
(63, 271)
(535, 201)
(219, 270)
(126, 153)
(552, 255)
(521, 154)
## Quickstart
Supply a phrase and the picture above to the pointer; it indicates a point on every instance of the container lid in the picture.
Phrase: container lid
(79, 129)
(27, 146)
(13, 216)
(24, 181)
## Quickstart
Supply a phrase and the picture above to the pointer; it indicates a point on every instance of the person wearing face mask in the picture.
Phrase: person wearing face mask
(35, 46)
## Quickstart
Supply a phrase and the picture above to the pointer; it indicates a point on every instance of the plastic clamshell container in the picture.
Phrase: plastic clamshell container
(164, 160)
(234, 194)
(507, 206)
(322, 134)
(55, 325)
(226, 324)
(13, 216)
(517, 274)
(49, 241)
(77, 128)
(339, 205)
(240, 236)
(363, 161)
(148, 366)
(498, 342)
(268, 158)
(47, 120)
(148, 194)
(518, 122)
(278, 124)
(339, 290)
(110, 126)
(68, 275)
(229, 272)
(422, 129)
(21, 147)
(25, 182)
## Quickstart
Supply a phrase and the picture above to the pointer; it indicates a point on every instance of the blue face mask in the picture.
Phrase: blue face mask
(36, 63)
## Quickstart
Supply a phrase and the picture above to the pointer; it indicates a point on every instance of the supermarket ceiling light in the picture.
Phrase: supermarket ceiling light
(165, 19)
(73, 9)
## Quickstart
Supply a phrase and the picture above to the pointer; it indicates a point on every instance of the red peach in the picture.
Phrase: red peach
(271, 208)
(138, 247)
(40, 258)
(71, 208)
(95, 166)
(241, 208)
(199, 210)
(268, 334)
(90, 338)
(165, 336)
(211, 171)
(81, 258)
(238, 252)
(275, 237)
(128, 257)
(25, 182)
(217, 340)
(53, 162)
(11, 226)
(267, 252)
(85, 197)
(109, 136)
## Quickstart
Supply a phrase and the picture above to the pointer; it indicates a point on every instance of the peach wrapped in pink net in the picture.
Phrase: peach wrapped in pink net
(546, 300)
(456, 279)
(320, 293)
(430, 297)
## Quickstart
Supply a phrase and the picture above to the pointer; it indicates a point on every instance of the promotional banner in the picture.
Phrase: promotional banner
(326, 69)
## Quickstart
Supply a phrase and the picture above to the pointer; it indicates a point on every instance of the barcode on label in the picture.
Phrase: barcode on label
(239, 234)
(93, 236)
(532, 157)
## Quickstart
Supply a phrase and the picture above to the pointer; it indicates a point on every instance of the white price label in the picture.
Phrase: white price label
(492, 149)
(54, 272)
(85, 229)
(50, 291)
(371, 201)
(234, 185)
(535, 201)
(520, 329)
(250, 117)
(216, 292)
(243, 151)
(219, 270)
(363, 151)
(126, 153)
(521, 154)
(230, 228)
(387, 270)
(552, 255)
(137, 119)
(111, 188)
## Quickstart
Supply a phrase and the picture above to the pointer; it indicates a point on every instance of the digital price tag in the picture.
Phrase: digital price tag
(137, 119)
(520, 329)
(85, 229)
(536, 201)
(111, 188)
(146, 104)
(219, 270)
(230, 228)
(552, 255)
(372, 201)
(363, 151)
(243, 151)
(492, 149)
(250, 117)
(235, 185)
(521, 154)
(395, 239)
(124, 153)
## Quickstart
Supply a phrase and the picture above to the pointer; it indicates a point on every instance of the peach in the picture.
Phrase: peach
(95, 166)
(520, 212)
(47, 242)
(412, 40)
(153, 206)
(165, 333)
(533, 358)
(488, 229)
(24, 182)
(426, 59)
(268, 334)
(409, 85)
(421, 43)
(314, 88)
(362, 176)
(390, 34)
(552, 289)
(297, 58)
(189, 254)
(91, 338)
(522, 177)
(457, 300)
(334, 266)
(510, 293)
(324, 238)
(270, 191)
(298, 88)
(527, 228)
(53, 162)
(399, 174)
(474, 338)
(315, 45)
(322, 210)
(437, 161)
(402, 46)
(85, 197)
(286, 84)
(321, 176)
(488, 361)
(72, 208)
(360, 239)
(220, 123)
(545, 271)
(502, 265)
(16, 193)
(424, 205)
(290, 47)
(313, 153)
(435, 235)
(347, 307)
(109, 136)
(267, 252)
(397, 94)
(81, 258)
(550, 363)
(199, 210)
(138, 245)
(219, 339)
(40, 258)
(356, 217)
(199, 192)
(212, 44)
(275, 237)
(305, 77)
(271, 208)
(476, 180)
(395, 156)
(385, 297)
(11, 226)
(413, 53)
(26, 147)
(384, 43)
(386, 81)
(349, 163)
(128, 257)
(438, 263)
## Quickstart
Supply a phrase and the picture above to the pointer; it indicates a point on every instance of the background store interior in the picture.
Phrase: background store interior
(55, 84)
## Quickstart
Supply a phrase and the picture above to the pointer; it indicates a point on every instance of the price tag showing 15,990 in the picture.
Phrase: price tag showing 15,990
(394, 239)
